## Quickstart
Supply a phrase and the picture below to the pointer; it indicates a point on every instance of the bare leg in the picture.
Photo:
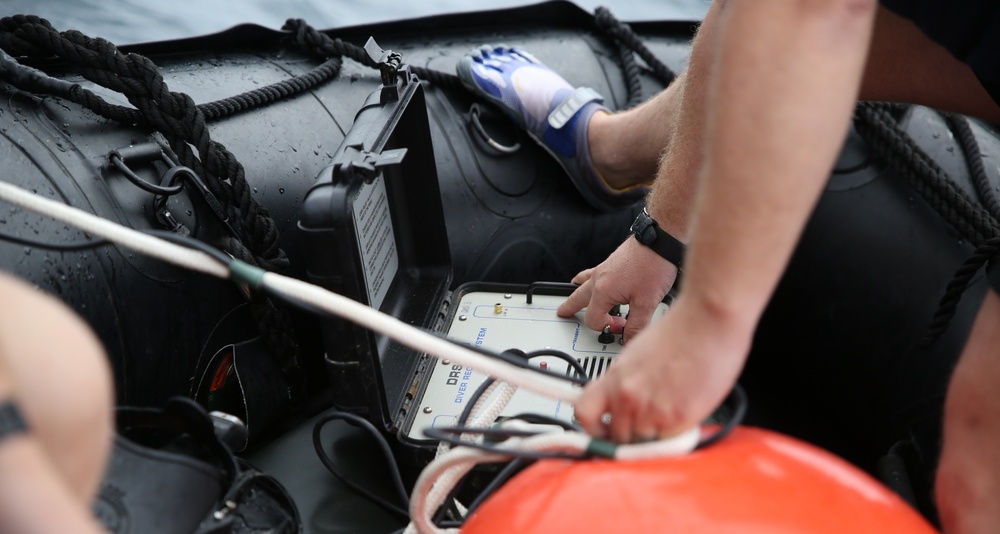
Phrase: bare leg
(661, 138)
(968, 478)
(55, 370)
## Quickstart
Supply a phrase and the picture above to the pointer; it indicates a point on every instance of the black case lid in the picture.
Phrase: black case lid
(383, 172)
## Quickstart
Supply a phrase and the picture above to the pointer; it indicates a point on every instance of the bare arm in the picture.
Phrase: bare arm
(786, 80)
(674, 120)
(780, 98)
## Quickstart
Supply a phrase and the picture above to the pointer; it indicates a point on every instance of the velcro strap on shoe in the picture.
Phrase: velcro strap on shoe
(565, 111)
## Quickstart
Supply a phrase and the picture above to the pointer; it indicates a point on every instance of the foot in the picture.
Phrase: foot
(552, 112)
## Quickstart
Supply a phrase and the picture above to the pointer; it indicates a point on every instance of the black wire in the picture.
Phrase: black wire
(511, 469)
(573, 362)
(738, 398)
(516, 360)
(540, 419)
(192, 243)
(397, 478)
(446, 434)
(488, 431)
(473, 399)
(119, 163)
(68, 247)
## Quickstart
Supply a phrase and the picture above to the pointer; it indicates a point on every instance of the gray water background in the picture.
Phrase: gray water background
(133, 21)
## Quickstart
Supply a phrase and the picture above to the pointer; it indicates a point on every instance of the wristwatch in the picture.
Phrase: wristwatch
(11, 421)
(647, 232)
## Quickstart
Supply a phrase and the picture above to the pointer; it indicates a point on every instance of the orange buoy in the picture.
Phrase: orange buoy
(752, 481)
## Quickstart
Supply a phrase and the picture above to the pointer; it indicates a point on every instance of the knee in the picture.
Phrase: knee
(968, 477)
(62, 382)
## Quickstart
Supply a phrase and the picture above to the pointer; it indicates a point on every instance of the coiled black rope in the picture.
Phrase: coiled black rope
(184, 127)
(897, 150)
(318, 43)
(628, 43)
(957, 286)
(974, 160)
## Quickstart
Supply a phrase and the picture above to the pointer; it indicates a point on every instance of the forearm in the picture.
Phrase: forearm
(662, 137)
(780, 100)
(672, 198)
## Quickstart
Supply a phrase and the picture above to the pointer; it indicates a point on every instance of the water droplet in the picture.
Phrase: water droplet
(281, 190)
(255, 190)
(27, 251)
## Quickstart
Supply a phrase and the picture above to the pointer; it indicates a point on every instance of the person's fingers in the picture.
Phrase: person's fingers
(617, 323)
(640, 313)
(645, 429)
(590, 408)
(583, 276)
(597, 316)
(624, 415)
(577, 300)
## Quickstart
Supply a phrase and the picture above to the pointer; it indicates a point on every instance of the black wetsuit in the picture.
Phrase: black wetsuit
(836, 358)
(969, 29)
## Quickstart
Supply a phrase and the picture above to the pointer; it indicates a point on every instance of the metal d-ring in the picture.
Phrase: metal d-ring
(474, 111)
(172, 178)
(144, 152)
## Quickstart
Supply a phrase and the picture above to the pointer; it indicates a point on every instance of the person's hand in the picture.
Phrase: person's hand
(668, 379)
(634, 275)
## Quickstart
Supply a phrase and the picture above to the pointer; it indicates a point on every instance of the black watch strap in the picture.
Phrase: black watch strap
(647, 232)
(11, 421)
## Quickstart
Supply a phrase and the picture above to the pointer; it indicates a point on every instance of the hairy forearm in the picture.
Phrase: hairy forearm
(671, 200)
(780, 100)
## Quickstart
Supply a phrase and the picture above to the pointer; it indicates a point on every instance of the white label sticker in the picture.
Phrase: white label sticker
(376, 241)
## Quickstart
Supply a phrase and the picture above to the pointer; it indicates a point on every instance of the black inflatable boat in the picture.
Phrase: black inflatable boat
(837, 359)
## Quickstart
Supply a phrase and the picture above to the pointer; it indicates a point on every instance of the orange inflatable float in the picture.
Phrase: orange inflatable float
(752, 481)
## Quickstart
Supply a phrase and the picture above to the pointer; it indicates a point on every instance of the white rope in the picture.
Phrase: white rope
(419, 340)
(675, 446)
(437, 479)
(112, 231)
(492, 410)
(331, 302)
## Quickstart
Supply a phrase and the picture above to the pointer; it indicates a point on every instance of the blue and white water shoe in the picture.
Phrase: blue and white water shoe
(552, 112)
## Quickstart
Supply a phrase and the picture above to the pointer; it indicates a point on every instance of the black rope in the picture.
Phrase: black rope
(878, 126)
(974, 160)
(627, 39)
(889, 143)
(900, 153)
(318, 43)
(184, 127)
(956, 287)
